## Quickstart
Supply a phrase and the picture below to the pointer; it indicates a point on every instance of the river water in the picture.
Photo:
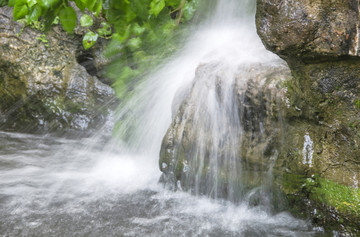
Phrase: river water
(66, 187)
(97, 186)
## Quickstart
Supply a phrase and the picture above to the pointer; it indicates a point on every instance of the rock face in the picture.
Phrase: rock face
(309, 30)
(43, 86)
(320, 42)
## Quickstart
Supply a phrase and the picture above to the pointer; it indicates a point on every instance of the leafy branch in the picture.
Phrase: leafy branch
(136, 28)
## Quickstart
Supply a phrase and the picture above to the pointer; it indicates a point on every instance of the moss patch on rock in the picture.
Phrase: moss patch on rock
(327, 203)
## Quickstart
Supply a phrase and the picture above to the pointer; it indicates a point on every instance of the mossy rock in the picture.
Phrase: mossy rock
(43, 85)
(327, 203)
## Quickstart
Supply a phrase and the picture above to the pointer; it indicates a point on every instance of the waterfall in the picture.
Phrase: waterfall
(222, 44)
(207, 89)
(196, 105)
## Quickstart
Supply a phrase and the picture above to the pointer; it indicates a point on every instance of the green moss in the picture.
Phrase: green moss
(292, 183)
(179, 167)
(287, 84)
(338, 206)
(340, 112)
(357, 104)
(343, 198)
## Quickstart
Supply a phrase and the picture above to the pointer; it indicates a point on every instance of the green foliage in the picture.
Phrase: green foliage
(3, 3)
(44, 40)
(189, 10)
(130, 19)
(20, 9)
(35, 13)
(343, 198)
(137, 28)
(357, 104)
(89, 39)
(47, 11)
(147, 31)
(67, 16)
(156, 7)
(105, 30)
(86, 20)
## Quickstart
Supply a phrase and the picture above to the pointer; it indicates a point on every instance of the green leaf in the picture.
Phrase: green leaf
(68, 19)
(134, 43)
(173, 3)
(11, 3)
(137, 29)
(130, 15)
(169, 28)
(105, 30)
(121, 38)
(80, 5)
(89, 4)
(56, 21)
(140, 56)
(20, 9)
(86, 20)
(156, 6)
(113, 48)
(139, 8)
(35, 13)
(89, 39)
(97, 8)
(47, 3)
(4, 3)
(189, 10)
(31, 3)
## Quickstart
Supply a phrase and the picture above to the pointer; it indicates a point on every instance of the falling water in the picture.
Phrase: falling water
(204, 148)
(94, 187)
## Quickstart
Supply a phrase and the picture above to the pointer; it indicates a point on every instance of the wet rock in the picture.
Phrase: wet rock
(43, 86)
(309, 30)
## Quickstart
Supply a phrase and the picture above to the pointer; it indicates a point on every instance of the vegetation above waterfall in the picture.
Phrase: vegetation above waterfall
(135, 28)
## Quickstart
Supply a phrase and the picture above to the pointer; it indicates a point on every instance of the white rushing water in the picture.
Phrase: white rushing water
(91, 187)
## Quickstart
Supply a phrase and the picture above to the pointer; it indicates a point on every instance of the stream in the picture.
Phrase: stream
(98, 186)
(64, 187)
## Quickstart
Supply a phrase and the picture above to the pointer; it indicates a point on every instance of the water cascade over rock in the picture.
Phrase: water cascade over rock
(224, 104)
(224, 137)
(225, 134)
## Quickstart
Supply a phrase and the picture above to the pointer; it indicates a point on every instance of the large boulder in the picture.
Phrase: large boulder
(46, 82)
(320, 42)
